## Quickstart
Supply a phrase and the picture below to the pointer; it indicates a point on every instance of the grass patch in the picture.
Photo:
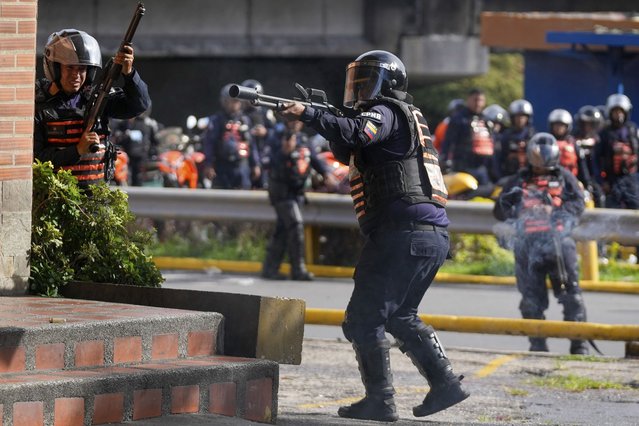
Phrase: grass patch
(573, 383)
(585, 358)
(516, 392)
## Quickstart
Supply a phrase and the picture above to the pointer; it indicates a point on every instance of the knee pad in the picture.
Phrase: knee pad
(530, 309)
(574, 308)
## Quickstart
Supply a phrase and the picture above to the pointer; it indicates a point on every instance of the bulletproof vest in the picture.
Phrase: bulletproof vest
(514, 145)
(482, 142)
(64, 127)
(624, 145)
(542, 190)
(295, 168)
(288, 174)
(568, 157)
(232, 145)
(416, 178)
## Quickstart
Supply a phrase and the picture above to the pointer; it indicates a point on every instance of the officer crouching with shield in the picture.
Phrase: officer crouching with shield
(399, 198)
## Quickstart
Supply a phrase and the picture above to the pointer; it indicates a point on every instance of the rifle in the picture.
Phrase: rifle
(98, 97)
(307, 98)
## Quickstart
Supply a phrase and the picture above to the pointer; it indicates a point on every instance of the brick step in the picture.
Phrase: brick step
(230, 386)
(53, 333)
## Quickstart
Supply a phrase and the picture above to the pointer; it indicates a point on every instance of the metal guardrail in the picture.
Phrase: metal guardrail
(621, 226)
(507, 326)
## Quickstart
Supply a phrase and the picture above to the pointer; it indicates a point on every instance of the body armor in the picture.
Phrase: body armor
(416, 178)
(64, 128)
(540, 191)
(568, 156)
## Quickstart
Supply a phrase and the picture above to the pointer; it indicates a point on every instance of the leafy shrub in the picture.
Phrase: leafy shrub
(84, 237)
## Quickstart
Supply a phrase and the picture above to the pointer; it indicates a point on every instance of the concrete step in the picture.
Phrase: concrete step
(43, 333)
(230, 386)
(67, 362)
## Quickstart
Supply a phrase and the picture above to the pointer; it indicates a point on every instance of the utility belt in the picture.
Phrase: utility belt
(414, 226)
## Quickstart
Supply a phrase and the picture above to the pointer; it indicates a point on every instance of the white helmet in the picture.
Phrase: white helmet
(560, 116)
(618, 100)
(520, 106)
(71, 47)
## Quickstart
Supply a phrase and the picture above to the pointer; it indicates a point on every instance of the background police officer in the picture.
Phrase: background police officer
(263, 127)
(71, 60)
(511, 148)
(545, 201)
(616, 156)
(399, 199)
(468, 145)
(231, 158)
(289, 164)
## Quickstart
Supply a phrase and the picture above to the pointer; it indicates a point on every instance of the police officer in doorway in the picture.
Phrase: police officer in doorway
(399, 198)
(289, 164)
(544, 202)
(71, 61)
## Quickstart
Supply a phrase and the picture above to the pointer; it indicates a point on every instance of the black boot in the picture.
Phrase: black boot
(374, 368)
(274, 255)
(575, 310)
(429, 357)
(579, 347)
(538, 344)
(296, 254)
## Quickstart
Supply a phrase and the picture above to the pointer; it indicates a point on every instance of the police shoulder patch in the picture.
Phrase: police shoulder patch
(374, 115)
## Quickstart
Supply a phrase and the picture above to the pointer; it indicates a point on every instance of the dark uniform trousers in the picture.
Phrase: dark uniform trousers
(394, 271)
(289, 234)
(539, 256)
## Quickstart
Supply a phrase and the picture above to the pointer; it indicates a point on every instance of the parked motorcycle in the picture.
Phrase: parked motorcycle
(177, 160)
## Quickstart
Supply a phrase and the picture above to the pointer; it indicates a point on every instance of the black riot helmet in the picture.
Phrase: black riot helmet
(589, 114)
(71, 47)
(254, 84)
(373, 75)
(542, 151)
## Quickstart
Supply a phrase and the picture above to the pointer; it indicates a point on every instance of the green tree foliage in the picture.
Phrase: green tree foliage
(503, 83)
(82, 237)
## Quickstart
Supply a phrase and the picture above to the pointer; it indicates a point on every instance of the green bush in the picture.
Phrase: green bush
(81, 237)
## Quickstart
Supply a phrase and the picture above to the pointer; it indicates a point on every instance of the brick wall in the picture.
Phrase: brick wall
(18, 26)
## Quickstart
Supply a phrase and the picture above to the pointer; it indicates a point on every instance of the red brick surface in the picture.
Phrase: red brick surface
(12, 358)
(222, 398)
(127, 349)
(259, 394)
(50, 356)
(185, 399)
(201, 343)
(28, 413)
(69, 412)
(164, 346)
(147, 403)
(108, 408)
(89, 353)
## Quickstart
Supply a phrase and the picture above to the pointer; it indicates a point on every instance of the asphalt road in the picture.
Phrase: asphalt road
(444, 299)
(508, 387)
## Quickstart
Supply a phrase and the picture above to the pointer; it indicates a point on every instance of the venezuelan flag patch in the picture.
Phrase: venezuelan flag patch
(370, 129)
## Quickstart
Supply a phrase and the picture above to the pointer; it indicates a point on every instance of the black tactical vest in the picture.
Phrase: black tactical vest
(416, 178)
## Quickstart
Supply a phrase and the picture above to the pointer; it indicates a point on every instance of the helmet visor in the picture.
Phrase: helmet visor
(363, 82)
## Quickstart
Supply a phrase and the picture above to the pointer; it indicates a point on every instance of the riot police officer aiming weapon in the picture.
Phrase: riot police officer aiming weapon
(99, 96)
(307, 98)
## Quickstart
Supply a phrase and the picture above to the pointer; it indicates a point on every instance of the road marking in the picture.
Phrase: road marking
(345, 401)
(494, 365)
